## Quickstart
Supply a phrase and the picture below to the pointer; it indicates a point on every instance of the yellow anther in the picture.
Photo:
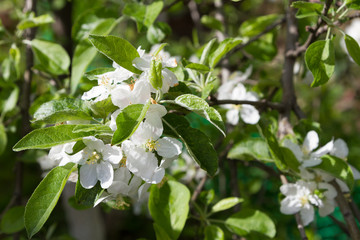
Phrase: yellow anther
(151, 145)
(304, 200)
(153, 101)
(123, 162)
(94, 158)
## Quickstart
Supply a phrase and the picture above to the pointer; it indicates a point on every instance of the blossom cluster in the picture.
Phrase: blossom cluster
(130, 168)
(314, 188)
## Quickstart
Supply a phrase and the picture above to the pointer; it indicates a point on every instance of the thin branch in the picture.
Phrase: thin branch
(257, 104)
(346, 212)
(234, 182)
(198, 188)
(340, 224)
(354, 207)
(299, 222)
(313, 33)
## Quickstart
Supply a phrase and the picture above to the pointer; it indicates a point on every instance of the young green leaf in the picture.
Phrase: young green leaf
(353, 48)
(320, 59)
(35, 21)
(225, 204)
(87, 197)
(213, 232)
(13, 220)
(61, 110)
(155, 76)
(51, 57)
(152, 12)
(212, 22)
(205, 53)
(257, 25)
(197, 143)
(158, 32)
(11, 100)
(198, 67)
(251, 222)
(44, 138)
(45, 197)
(338, 168)
(117, 49)
(264, 48)
(223, 48)
(3, 138)
(128, 121)
(102, 109)
(160, 232)
(250, 149)
(307, 9)
(169, 207)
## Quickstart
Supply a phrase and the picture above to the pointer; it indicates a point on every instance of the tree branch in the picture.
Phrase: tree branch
(198, 189)
(257, 104)
(346, 212)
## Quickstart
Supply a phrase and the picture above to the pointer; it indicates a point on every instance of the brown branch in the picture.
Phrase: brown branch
(313, 33)
(354, 208)
(340, 224)
(346, 212)
(299, 222)
(257, 104)
(198, 188)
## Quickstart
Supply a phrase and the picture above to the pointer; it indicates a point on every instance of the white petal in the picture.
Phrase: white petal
(311, 162)
(144, 133)
(141, 92)
(225, 90)
(239, 92)
(330, 192)
(141, 63)
(232, 116)
(121, 96)
(311, 141)
(169, 80)
(289, 189)
(88, 176)
(95, 92)
(249, 114)
(168, 147)
(355, 172)
(307, 215)
(340, 149)
(288, 206)
(295, 149)
(105, 174)
(158, 175)
(324, 150)
(112, 154)
(92, 143)
(327, 208)
(114, 115)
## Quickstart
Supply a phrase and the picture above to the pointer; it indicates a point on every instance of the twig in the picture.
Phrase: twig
(234, 182)
(313, 33)
(198, 189)
(340, 224)
(346, 212)
(258, 104)
(299, 222)
(354, 208)
(195, 15)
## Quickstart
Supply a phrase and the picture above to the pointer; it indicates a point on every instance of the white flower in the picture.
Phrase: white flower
(124, 183)
(299, 198)
(140, 157)
(234, 90)
(59, 154)
(327, 195)
(169, 79)
(97, 159)
(305, 154)
(124, 94)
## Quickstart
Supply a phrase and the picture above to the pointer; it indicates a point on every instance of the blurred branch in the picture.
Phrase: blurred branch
(354, 208)
(340, 224)
(198, 189)
(314, 33)
(195, 15)
(257, 104)
(299, 222)
(346, 212)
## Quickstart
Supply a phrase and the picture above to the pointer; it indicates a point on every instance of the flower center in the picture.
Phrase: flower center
(104, 81)
(94, 158)
(151, 145)
(123, 162)
(304, 200)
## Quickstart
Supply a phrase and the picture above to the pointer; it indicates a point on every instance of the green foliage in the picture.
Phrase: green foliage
(48, 137)
(13, 220)
(33, 21)
(307, 9)
(158, 32)
(212, 22)
(257, 25)
(223, 48)
(213, 232)
(353, 48)
(51, 57)
(62, 110)
(87, 197)
(169, 207)
(205, 156)
(225, 204)
(3, 138)
(101, 109)
(128, 121)
(338, 168)
(117, 49)
(320, 59)
(155, 76)
(251, 222)
(198, 67)
(45, 197)
(250, 149)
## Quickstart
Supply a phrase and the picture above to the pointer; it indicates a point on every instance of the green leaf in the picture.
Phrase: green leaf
(10, 102)
(128, 121)
(102, 109)
(289, 159)
(205, 53)
(307, 9)
(8, 70)
(84, 53)
(155, 76)
(35, 21)
(201, 107)
(264, 48)
(13, 220)
(169, 207)
(87, 197)
(3, 138)
(257, 25)
(353, 48)
(15, 57)
(137, 12)
(213, 232)
(212, 22)
(338, 168)
(44, 138)
(152, 12)
(250, 222)
(197, 143)
(250, 149)
(45, 197)
(198, 67)
(94, 128)
(51, 57)
(223, 48)
(320, 59)
(226, 203)
(158, 32)
(92, 75)
(61, 110)
(117, 49)
(160, 233)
